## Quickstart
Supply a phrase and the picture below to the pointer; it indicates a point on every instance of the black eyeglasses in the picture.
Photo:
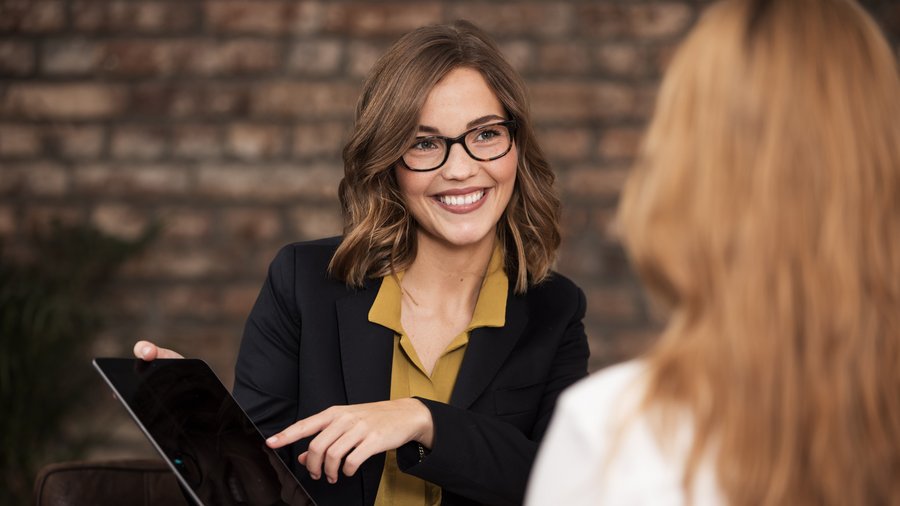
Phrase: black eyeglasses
(483, 143)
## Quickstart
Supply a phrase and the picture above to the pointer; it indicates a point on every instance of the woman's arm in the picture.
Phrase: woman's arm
(265, 375)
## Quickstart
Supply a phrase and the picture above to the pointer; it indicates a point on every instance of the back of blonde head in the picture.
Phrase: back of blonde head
(765, 210)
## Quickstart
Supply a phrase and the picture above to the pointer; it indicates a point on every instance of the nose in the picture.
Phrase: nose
(459, 165)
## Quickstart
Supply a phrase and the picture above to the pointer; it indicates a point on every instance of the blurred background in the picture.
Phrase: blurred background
(155, 154)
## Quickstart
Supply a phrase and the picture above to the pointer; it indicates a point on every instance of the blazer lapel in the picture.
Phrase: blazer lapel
(366, 358)
(487, 351)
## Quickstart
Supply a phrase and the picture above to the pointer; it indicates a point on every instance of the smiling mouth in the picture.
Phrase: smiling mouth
(461, 200)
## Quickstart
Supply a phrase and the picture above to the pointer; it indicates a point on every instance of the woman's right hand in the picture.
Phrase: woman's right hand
(148, 351)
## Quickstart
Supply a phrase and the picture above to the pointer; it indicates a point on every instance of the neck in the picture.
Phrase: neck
(446, 275)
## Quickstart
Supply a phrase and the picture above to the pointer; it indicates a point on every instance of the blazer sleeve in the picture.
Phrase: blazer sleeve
(265, 376)
(483, 457)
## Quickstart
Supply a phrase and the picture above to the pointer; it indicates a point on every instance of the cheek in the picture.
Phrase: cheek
(412, 186)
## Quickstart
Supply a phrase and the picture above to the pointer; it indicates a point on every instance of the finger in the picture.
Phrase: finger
(301, 429)
(338, 450)
(145, 350)
(318, 448)
(302, 458)
(365, 449)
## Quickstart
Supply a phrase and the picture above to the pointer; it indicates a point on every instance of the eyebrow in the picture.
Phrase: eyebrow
(475, 122)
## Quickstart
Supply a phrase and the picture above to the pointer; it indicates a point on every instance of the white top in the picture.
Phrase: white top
(585, 459)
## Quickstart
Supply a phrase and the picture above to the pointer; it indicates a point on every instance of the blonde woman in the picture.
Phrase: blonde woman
(765, 212)
(416, 360)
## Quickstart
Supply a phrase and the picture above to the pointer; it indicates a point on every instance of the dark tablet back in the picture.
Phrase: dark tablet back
(216, 452)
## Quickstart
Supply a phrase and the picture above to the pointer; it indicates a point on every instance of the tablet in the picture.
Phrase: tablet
(215, 450)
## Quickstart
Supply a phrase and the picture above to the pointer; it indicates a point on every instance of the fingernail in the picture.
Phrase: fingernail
(272, 440)
(145, 351)
(314, 476)
(331, 480)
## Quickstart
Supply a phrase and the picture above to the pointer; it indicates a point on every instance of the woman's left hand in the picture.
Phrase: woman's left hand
(356, 432)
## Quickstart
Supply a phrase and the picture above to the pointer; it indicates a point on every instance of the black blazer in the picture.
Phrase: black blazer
(308, 345)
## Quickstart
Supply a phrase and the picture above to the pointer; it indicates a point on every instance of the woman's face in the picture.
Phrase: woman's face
(460, 203)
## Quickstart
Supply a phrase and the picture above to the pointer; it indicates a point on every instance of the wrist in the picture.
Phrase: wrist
(425, 435)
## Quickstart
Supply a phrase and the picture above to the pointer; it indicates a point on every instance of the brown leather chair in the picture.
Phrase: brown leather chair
(139, 482)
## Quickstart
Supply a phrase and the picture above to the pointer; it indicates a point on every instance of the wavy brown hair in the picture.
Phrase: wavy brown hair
(765, 210)
(379, 232)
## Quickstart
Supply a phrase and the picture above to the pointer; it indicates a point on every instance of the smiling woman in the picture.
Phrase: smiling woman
(417, 359)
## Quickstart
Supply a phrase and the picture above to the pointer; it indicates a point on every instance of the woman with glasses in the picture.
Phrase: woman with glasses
(765, 210)
(417, 358)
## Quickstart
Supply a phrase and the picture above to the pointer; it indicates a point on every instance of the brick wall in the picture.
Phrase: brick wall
(225, 120)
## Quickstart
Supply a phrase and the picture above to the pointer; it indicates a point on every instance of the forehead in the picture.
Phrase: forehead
(461, 96)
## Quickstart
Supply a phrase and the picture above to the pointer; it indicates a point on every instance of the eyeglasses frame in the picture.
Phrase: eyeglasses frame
(510, 124)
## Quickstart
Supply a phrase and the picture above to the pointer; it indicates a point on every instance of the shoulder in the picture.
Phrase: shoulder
(556, 292)
(313, 256)
(305, 263)
(617, 389)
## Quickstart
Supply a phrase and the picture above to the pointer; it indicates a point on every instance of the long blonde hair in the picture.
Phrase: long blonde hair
(765, 211)
(379, 232)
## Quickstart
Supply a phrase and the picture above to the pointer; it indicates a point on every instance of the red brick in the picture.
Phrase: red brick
(314, 222)
(246, 226)
(325, 139)
(606, 224)
(304, 99)
(120, 220)
(190, 300)
(519, 54)
(234, 57)
(32, 16)
(89, 15)
(621, 60)
(619, 143)
(270, 184)
(41, 217)
(153, 17)
(139, 142)
(594, 181)
(16, 58)
(564, 58)
(71, 57)
(191, 100)
(250, 141)
(573, 101)
(63, 101)
(75, 141)
(8, 221)
(315, 57)
(19, 140)
(613, 305)
(197, 141)
(306, 17)
(141, 181)
(237, 300)
(635, 20)
(185, 223)
(168, 263)
(566, 144)
(573, 221)
(382, 18)
(34, 179)
(142, 58)
(362, 57)
(517, 18)
(249, 16)
(621, 345)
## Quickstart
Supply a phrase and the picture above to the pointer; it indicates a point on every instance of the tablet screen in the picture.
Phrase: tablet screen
(190, 417)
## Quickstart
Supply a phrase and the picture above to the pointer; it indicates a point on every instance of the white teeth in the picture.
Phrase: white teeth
(461, 200)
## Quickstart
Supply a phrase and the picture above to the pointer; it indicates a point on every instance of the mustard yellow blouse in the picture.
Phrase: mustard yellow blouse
(408, 377)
